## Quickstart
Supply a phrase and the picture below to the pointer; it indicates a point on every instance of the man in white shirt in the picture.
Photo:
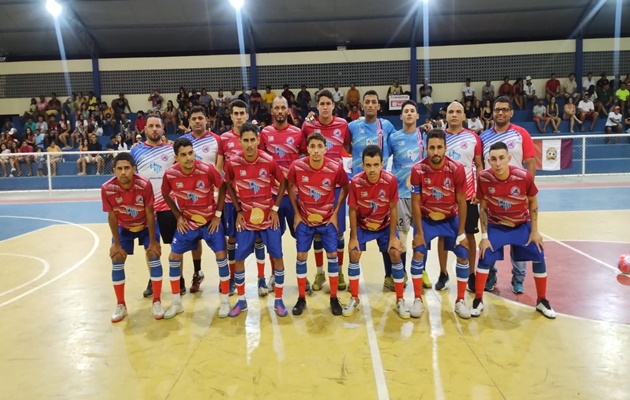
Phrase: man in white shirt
(588, 84)
(586, 111)
(337, 98)
(540, 116)
(529, 90)
(614, 122)
(487, 92)
(468, 93)
(475, 125)
(570, 88)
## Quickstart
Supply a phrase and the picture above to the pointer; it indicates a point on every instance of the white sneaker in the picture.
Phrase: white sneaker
(402, 310)
(158, 311)
(351, 307)
(477, 308)
(416, 308)
(119, 313)
(271, 282)
(224, 309)
(545, 308)
(98, 173)
(462, 310)
(175, 309)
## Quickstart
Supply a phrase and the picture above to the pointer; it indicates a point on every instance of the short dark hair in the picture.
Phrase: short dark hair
(239, 104)
(197, 109)
(124, 157)
(370, 93)
(155, 115)
(315, 136)
(248, 127)
(181, 142)
(325, 93)
(436, 133)
(499, 146)
(372, 150)
(408, 102)
(503, 99)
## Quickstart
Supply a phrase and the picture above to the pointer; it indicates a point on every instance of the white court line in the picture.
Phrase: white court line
(67, 271)
(377, 363)
(597, 260)
(44, 272)
(23, 234)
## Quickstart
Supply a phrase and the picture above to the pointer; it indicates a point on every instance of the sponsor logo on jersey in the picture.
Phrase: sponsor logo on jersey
(271, 138)
(290, 141)
(314, 194)
(139, 199)
(254, 186)
(515, 191)
(368, 142)
(131, 211)
(337, 133)
(157, 168)
(242, 172)
(491, 190)
(464, 145)
(164, 157)
(373, 206)
(510, 144)
(179, 185)
(119, 200)
(205, 149)
(262, 173)
(427, 180)
(454, 155)
(326, 183)
(382, 194)
(192, 196)
(305, 179)
(329, 145)
(411, 155)
(280, 152)
(437, 194)
(504, 204)
(230, 144)
(364, 194)
(447, 182)
(200, 185)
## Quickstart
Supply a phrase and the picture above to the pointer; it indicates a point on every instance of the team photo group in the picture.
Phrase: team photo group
(241, 192)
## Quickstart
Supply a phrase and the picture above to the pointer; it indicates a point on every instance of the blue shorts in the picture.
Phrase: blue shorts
(447, 229)
(500, 236)
(127, 237)
(304, 237)
(341, 217)
(381, 237)
(229, 220)
(183, 242)
(286, 215)
(272, 239)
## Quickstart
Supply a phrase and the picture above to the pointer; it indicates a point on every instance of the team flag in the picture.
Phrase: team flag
(554, 154)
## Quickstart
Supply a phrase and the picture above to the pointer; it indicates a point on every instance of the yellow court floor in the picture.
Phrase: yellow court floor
(57, 341)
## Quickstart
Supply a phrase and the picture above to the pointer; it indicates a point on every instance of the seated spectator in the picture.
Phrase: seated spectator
(439, 119)
(95, 127)
(125, 127)
(184, 123)
(468, 109)
(506, 89)
(166, 140)
(29, 137)
(67, 108)
(84, 112)
(394, 89)
(40, 162)
(53, 132)
(622, 97)
(80, 132)
(337, 98)
(570, 114)
(553, 113)
(428, 125)
(529, 91)
(353, 98)
(255, 99)
(320, 87)
(244, 96)
(92, 102)
(468, 93)
(586, 111)
(4, 158)
(94, 146)
(193, 99)
(286, 92)
(295, 116)
(268, 97)
(570, 88)
(169, 116)
(212, 120)
(156, 100)
(476, 108)
(605, 99)
(614, 123)
(8, 125)
(603, 80)
(553, 88)
(230, 98)
(27, 159)
(108, 116)
(182, 98)
(486, 115)
(517, 93)
(32, 125)
(487, 91)
(426, 91)
(83, 149)
(41, 125)
(112, 148)
(475, 125)
(304, 98)
(540, 115)
(137, 142)
(42, 106)
(221, 102)
(13, 147)
(588, 84)
(55, 156)
(354, 113)
(122, 146)
(41, 140)
(32, 110)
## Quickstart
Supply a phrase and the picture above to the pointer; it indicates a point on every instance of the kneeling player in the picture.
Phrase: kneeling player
(509, 216)
(128, 200)
(255, 173)
(373, 202)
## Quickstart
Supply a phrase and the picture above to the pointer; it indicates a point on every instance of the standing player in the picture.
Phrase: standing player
(509, 215)
(254, 173)
(128, 200)
(438, 200)
(152, 158)
(373, 202)
(335, 131)
(464, 147)
(285, 143)
(406, 146)
(316, 212)
(191, 183)
(230, 144)
(207, 147)
(522, 152)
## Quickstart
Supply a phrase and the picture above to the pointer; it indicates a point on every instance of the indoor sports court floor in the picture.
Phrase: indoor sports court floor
(57, 340)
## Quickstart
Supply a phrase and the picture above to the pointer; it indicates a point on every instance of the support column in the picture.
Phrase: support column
(96, 77)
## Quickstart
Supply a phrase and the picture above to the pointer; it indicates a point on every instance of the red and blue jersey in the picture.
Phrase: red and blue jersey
(518, 141)
(285, 146)
(206, 148)
(463, 147)
(336, 133)
(438, 187)
(128, 204)
(372, 200)
(151, 162)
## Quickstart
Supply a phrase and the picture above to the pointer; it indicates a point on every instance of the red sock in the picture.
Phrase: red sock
(340, 258)
(541, 286)
(480, 283)
(261, 269)
(120, 293)
(354, 287)
(417, 286)
(175, 286)
(225, 286)
(400, 288)
(302, 287)
(461, 289)
(231, 266)
(157, 290)
(279, 290)
(240, 289)
(333, 281)
(319, 258)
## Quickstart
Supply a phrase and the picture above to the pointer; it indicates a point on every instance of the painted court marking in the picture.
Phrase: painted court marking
(590, 257)
(67, 271)
(41, 274)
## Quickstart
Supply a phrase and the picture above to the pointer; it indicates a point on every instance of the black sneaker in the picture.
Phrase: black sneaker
(299, 306)
(148, 292)
(477, 308)
(335, 306)
(471, 283)
(441, 283)
(182, 285)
